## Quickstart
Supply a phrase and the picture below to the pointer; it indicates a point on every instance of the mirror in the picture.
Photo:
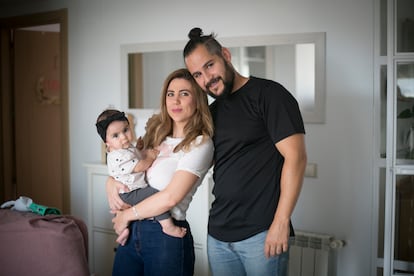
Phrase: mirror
(297, 61)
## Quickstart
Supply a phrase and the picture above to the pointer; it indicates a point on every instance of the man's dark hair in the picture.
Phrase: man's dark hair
(197, 38)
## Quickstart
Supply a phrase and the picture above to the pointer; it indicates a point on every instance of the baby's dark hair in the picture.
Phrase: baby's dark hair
(197, 38)
(107, 117)
(106, 114)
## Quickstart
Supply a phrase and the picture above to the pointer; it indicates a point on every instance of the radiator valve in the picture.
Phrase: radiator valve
(334, 244)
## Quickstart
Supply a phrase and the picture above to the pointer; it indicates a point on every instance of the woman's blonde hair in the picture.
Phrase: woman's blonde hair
(160, 125)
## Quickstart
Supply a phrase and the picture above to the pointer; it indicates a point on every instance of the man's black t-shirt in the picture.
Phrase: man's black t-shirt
(248, 166)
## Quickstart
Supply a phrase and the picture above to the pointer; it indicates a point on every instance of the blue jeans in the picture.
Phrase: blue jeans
(244, 257)
(149, 251)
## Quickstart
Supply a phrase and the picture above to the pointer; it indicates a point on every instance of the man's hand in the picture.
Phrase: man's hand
(277, 239)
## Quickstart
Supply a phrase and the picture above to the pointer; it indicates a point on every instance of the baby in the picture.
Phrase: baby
(127, 164)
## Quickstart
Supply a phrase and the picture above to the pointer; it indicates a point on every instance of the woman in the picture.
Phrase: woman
(181, 132)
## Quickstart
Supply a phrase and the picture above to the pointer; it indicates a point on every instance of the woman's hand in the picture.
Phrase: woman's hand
(112, 192)
(119, 221)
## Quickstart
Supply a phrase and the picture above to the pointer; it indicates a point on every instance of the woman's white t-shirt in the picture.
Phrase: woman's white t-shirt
(196, 161)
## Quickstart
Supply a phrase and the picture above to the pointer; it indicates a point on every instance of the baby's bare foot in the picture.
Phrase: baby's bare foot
(175, 231)
(169, 228)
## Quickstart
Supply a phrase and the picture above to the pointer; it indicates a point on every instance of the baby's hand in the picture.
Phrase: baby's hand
(140, 143)
(152, 153)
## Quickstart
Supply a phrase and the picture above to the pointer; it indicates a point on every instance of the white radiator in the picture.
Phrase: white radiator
(310, 253)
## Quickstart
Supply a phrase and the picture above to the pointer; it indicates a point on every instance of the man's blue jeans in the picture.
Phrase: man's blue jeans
(244, 258)
(149, 251)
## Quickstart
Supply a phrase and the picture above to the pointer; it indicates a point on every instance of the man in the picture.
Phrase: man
(259, 158)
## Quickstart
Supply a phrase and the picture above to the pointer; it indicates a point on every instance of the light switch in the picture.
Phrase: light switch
(311, 170)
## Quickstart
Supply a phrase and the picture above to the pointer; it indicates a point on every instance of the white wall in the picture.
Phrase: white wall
(339, 201)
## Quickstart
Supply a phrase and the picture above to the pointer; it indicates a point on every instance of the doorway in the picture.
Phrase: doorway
(34, 141)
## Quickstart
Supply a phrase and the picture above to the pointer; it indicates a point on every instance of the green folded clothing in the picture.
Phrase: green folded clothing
(44, 210)
(26, 204)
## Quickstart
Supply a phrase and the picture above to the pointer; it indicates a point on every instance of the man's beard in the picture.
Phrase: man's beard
(228, 83)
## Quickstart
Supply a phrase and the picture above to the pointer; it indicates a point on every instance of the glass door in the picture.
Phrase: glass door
(396, 195)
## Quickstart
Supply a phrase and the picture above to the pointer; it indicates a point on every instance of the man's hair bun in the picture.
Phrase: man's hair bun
(195, 33)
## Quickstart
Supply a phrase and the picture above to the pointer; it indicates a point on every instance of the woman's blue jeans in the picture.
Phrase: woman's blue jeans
(149, 251)
(244, 257)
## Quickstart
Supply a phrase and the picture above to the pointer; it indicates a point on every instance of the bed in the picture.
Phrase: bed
(32, 244)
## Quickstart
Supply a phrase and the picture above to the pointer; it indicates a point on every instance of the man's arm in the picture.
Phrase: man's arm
(293, 150)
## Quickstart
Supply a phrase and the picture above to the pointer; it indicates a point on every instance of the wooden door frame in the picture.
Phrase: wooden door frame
(6, 98)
